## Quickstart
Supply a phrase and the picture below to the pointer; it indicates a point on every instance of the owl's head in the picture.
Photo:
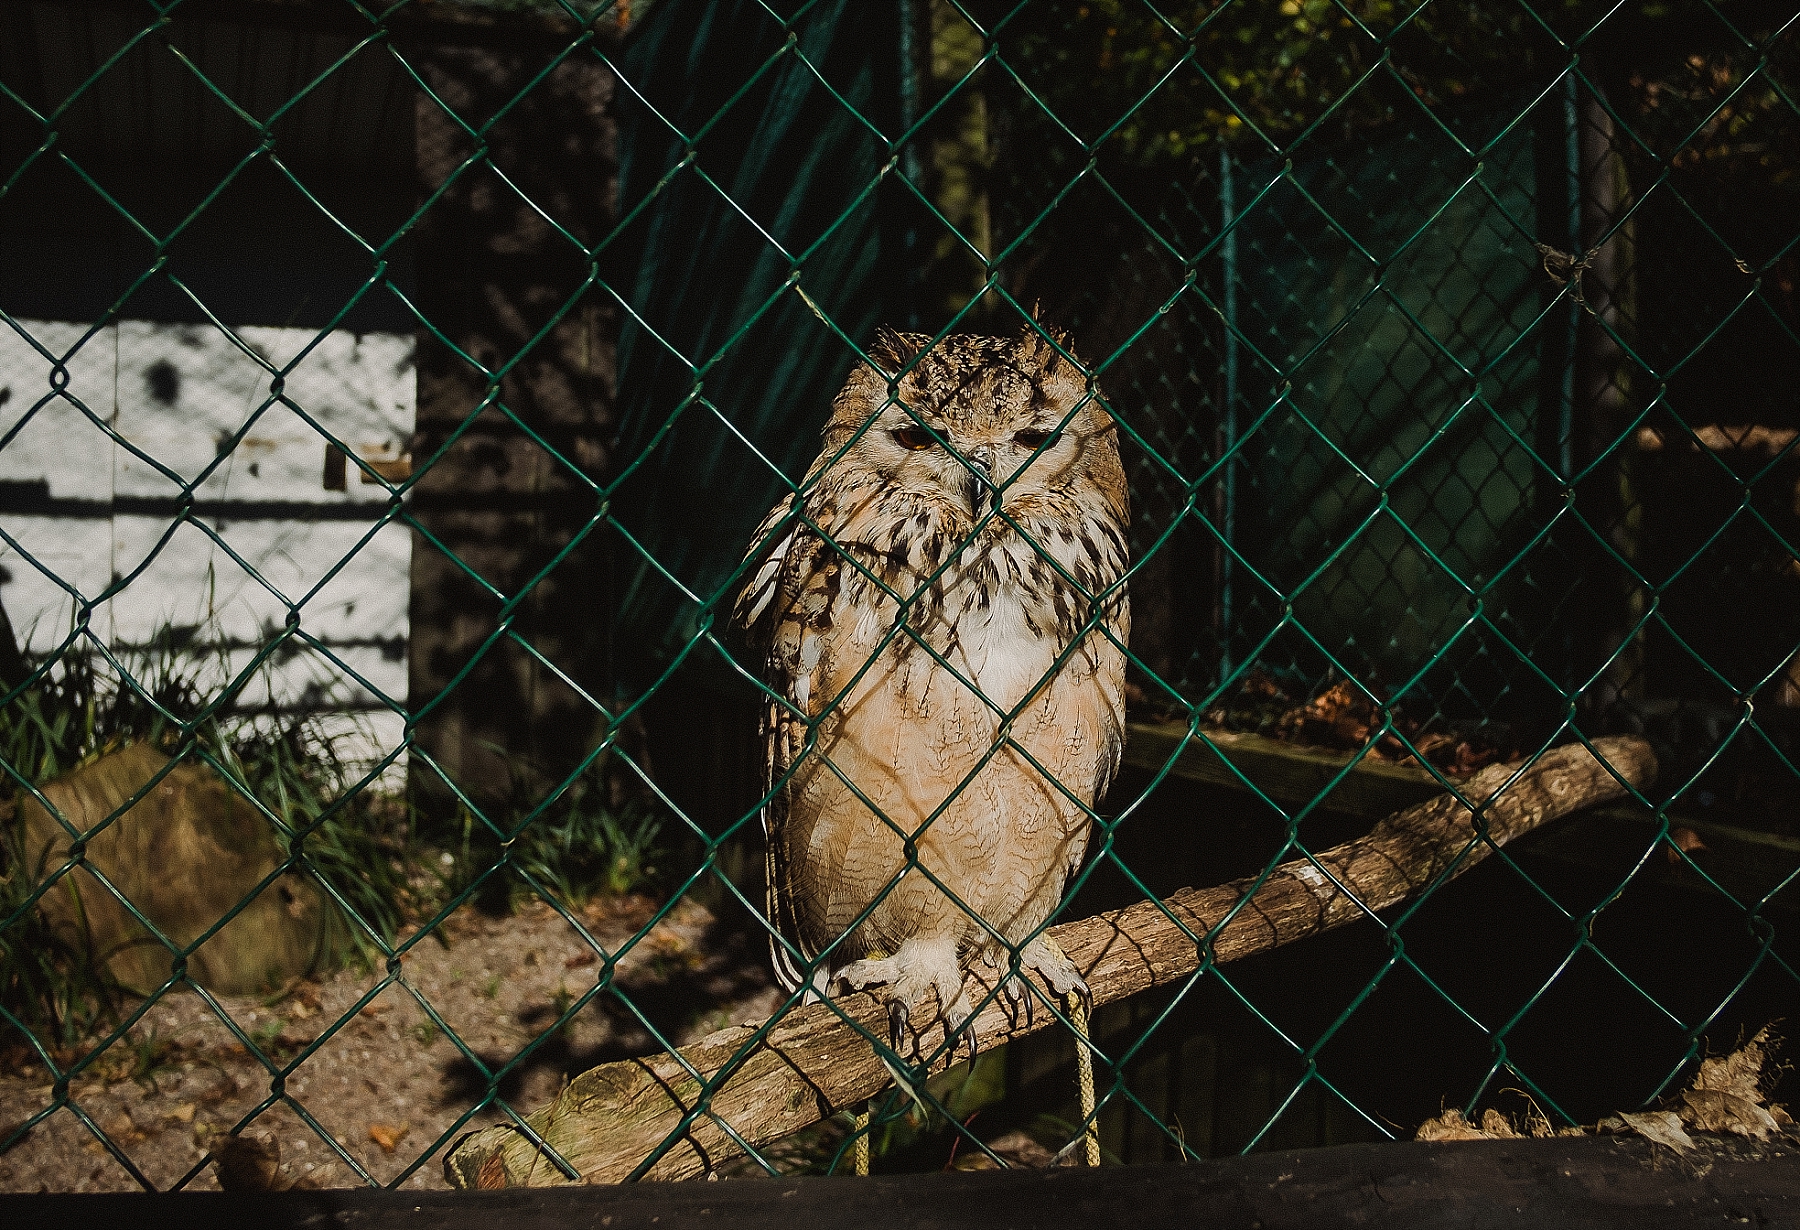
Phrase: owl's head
(978, 422)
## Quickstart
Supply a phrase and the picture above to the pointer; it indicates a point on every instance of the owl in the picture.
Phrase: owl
(942, 613)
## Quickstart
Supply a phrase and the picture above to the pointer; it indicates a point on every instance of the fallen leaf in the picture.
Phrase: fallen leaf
(1261, 685)
(122, 1129)
(181, 1114)
(1015, 1148)
(250, 1164)
(1429, 746)
(1682, 841)
(1739, 1072)
(1661, 1127)
(1340, 715)
(388, 1135)
(1714, 1110)
(1470, 759)
(492, 1174)
(1496, 1125)
(585, 957)
(1450, 1126)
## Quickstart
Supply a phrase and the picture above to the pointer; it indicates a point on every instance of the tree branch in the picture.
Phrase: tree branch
(817, 1059)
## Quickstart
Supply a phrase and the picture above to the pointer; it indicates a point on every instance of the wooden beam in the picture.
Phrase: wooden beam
(1747, 863)
(1293, 775)
(1598, 1182)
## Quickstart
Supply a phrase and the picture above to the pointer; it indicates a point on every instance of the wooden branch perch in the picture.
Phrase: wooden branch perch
(813, 1063)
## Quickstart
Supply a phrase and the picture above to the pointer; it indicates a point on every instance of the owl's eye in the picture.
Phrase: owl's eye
(1037, 439)
(914, 438)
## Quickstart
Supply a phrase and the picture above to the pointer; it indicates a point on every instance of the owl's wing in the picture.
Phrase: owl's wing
(772, 541)
(786, 604)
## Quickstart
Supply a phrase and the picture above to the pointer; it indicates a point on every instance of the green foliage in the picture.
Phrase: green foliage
(74, 712)
(593, 837)
(1273, 69)
(361, 843)
(47, 989)
(355, 841)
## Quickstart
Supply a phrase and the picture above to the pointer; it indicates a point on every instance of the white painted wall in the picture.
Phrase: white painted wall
(361, 388)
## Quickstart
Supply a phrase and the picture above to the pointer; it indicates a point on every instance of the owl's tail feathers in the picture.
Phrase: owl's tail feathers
(793, 975)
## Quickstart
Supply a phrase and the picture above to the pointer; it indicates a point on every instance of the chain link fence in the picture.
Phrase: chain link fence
(388, 393)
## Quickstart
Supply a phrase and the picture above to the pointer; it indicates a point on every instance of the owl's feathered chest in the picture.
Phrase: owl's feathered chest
(919, 590)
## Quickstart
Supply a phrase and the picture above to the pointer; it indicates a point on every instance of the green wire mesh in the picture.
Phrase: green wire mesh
(1451, 349)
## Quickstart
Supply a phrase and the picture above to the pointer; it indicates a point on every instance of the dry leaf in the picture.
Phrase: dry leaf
(388, 1135)
(1015, 1148)
(1495, 1125)
(1682, 840)
(1739, 1072)
(181, 1114)
(250, 1164)
(1713, 1110)
(121, 1128)
(584, 957)
(1471, 759)
(1661, 1127)
(1340, 715)
(492, 1174)
(1450, 1126)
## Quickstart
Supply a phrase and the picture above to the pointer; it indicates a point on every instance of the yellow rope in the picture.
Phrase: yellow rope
(861, 1155)
(1084, 1070)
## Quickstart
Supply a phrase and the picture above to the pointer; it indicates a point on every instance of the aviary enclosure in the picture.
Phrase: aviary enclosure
(388, 393)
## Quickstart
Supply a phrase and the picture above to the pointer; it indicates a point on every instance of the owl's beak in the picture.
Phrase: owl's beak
(982, 496)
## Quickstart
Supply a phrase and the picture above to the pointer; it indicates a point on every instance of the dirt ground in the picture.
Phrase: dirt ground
(389, 1087)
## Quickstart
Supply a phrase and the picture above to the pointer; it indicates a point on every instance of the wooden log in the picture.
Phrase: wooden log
(769, 1080)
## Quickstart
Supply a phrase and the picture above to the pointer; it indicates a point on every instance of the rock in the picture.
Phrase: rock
(183, 855)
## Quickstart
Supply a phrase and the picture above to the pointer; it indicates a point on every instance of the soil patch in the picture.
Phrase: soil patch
(388, 1085)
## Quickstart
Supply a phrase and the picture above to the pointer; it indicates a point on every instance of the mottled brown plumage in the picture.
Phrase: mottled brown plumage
(943, 626)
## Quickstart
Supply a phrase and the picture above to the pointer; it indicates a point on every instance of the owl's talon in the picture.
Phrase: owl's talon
(1018, 1001)
(898, 1019)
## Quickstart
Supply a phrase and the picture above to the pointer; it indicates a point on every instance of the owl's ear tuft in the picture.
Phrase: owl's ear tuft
(891, 350)
(1038, 352)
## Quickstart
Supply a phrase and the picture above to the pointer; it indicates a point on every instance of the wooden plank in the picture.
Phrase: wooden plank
(1587, 1181)
(1747, 863)
(1744, 862)
(1290, 774)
